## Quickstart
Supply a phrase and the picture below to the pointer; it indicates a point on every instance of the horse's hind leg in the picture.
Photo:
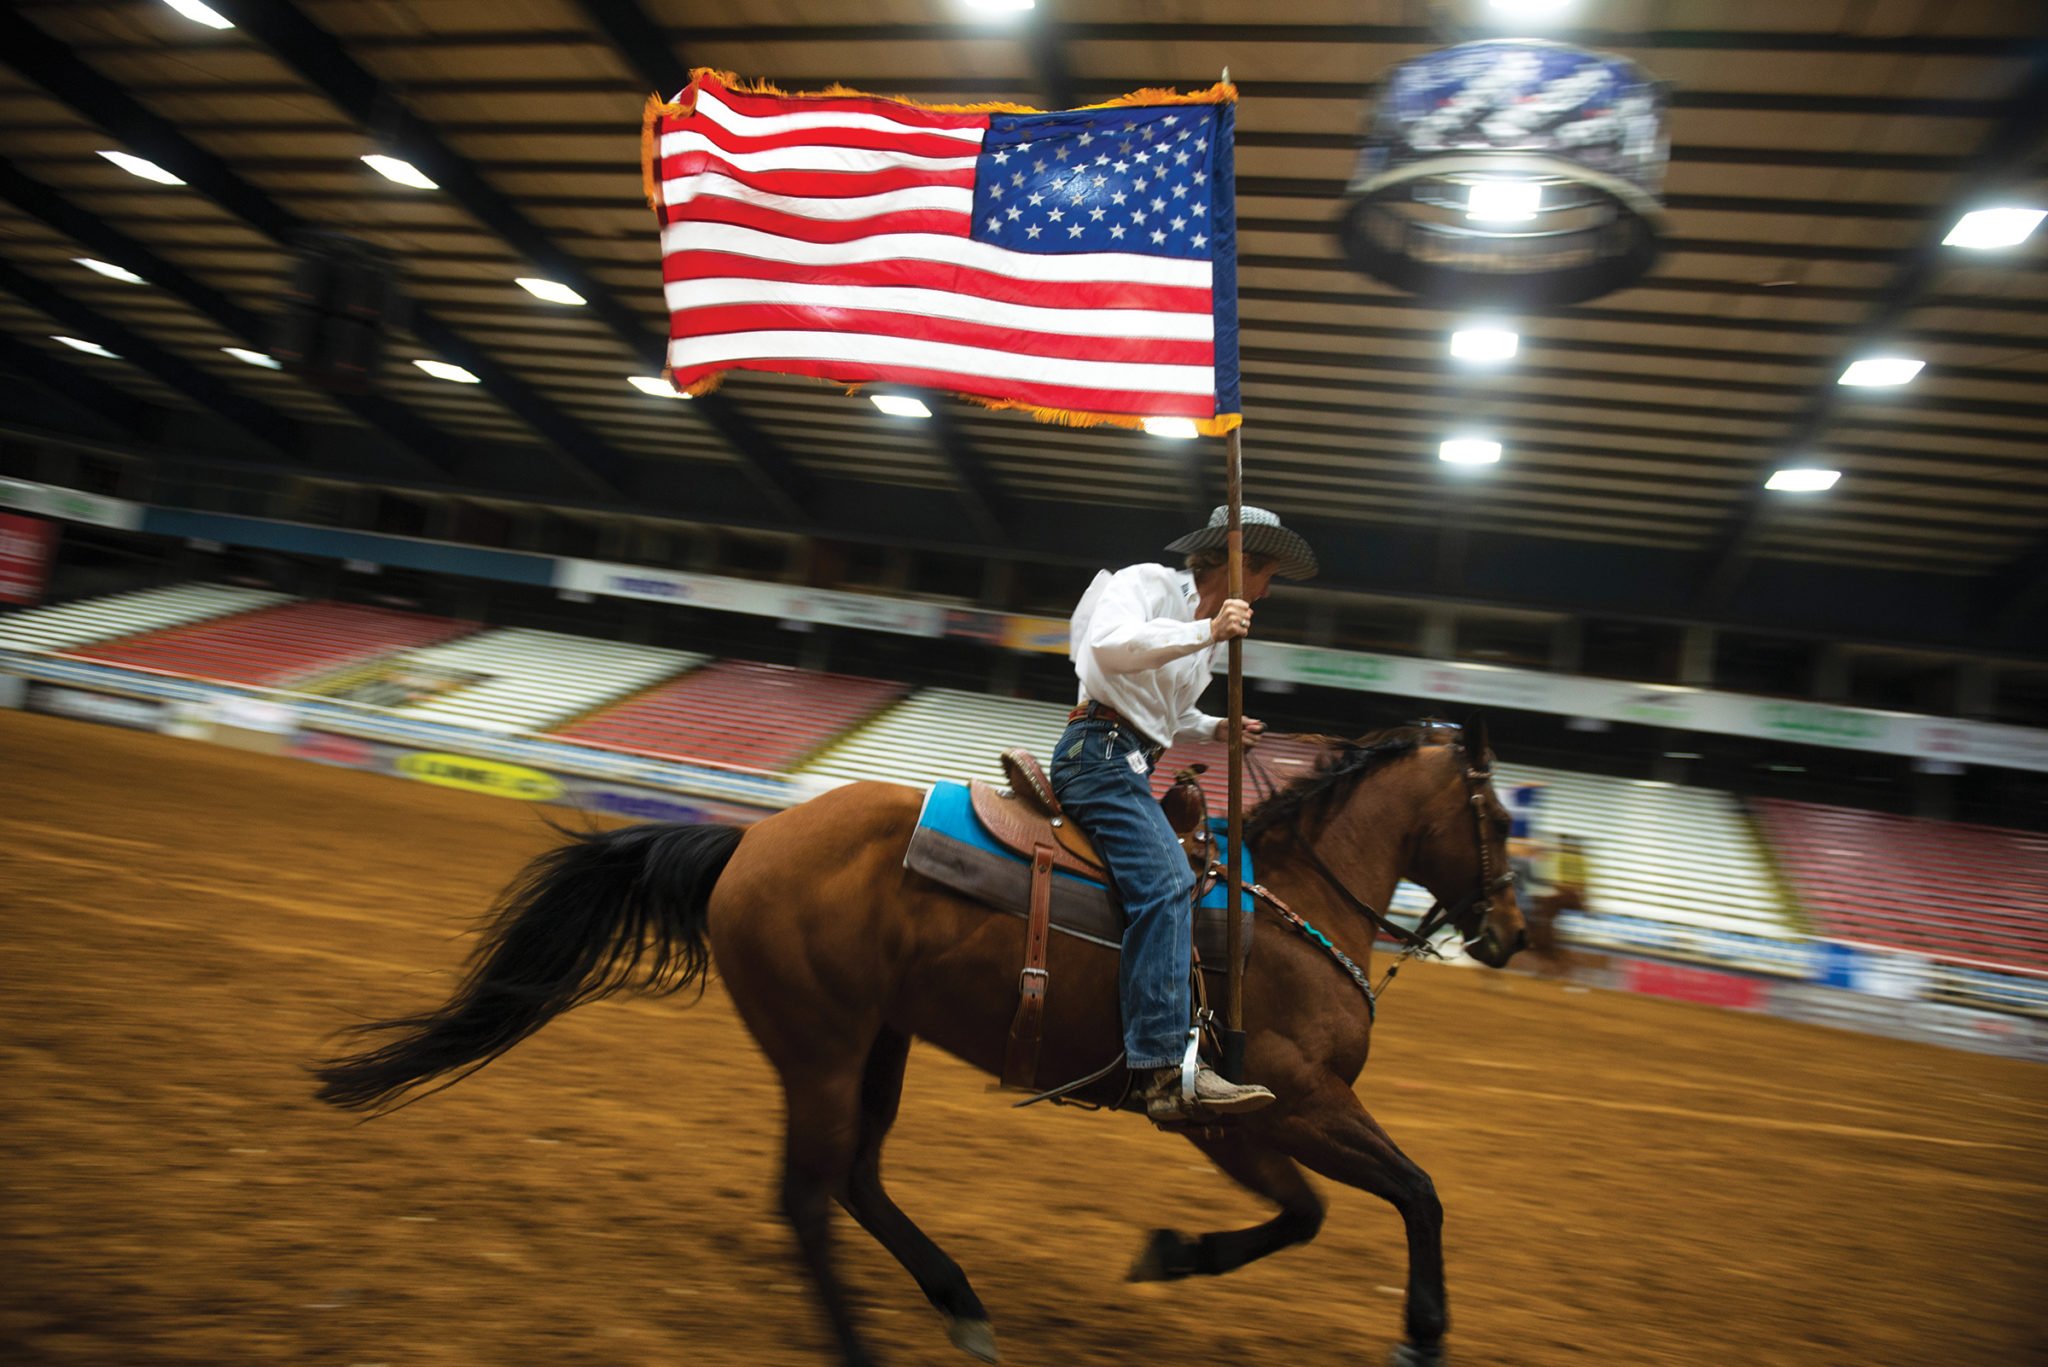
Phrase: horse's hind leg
(824, 1110)
(1259, 1168)
(937, 1275)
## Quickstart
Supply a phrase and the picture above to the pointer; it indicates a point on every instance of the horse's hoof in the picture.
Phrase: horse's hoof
(1165, 1259)
(977, 1338)
(1414, 1355)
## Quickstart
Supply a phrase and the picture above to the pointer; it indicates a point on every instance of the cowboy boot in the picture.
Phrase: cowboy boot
(1159, 1091)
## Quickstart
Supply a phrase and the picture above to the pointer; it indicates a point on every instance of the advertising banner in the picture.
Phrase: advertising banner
(70, 505)
(1043, 635)
(1458, 684)
(27, 545)
(1523, 96)
(1703, 986)
(471, 775)
(496, 778)
(140, 714)
(904, 617)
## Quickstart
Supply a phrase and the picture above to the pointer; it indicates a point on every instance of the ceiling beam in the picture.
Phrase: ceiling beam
(91, 394)
(48, 63)
(323, 63)
(1045, 38)
(2002, 154)
(984, 501)
(640, 43)
(1397, 35)
(427, 444)
(2016, 595)
(1347, 93)
(270, 427)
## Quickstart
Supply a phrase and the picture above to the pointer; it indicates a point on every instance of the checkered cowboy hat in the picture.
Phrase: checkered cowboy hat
(1263, 535)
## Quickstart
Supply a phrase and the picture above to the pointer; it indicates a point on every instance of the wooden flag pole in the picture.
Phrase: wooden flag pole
(1233, 1033)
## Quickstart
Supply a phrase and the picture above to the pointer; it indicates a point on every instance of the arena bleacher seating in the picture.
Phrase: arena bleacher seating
(70, 625)
(532, 680)
(1685, 859)
(738, 714)
(943, 733)
(1280, 759)
(1940, 888)
(276, 645)
(1663, 851)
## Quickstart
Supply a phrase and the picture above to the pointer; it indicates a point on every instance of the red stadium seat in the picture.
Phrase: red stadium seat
(738, 714)
(274, 646)
(1936, 887)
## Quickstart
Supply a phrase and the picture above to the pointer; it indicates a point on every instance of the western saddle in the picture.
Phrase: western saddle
(1027, 818)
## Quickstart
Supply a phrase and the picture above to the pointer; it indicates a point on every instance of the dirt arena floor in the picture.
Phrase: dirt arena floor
(1627, 1181)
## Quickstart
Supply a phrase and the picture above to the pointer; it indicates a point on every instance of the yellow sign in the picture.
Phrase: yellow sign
(481, 776)
(1046, 635)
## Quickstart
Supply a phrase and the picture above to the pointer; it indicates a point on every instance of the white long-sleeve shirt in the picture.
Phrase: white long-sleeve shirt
(1139, 648)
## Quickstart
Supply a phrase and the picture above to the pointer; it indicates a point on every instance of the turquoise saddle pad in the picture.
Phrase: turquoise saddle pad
(951, 846)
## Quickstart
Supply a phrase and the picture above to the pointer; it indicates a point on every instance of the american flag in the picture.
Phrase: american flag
(1082, 264)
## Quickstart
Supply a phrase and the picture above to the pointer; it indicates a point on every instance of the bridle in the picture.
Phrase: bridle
(1417, 942)
(1442, 913)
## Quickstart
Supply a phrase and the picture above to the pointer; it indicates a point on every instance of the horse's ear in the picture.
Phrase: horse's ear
(1477, 742)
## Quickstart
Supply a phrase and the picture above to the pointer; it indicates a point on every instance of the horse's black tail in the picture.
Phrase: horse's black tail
(612, 911)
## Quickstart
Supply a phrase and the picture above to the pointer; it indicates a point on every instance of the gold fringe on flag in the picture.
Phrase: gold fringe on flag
(656, 110)
(1223, 92)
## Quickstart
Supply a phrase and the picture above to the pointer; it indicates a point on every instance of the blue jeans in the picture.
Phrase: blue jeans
(1094, 777)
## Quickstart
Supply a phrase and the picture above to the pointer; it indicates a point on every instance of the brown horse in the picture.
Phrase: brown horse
(1544, 946)
(837, 957)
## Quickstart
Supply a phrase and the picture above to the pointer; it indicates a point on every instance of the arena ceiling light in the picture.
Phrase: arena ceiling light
(1485, 343)
(399, 170)
(1987, 229)
(1802, 480)
(1875, 371)
(89, 348)
(1469, 451)
(998, 6)
(1503, 201)
(900, 405)
(549, 290)
(110, 270)
(1529, 9)
(1178, 429)
(255, 358)
(141, 166)
(655, 385)
(200, 14)
(441, 370)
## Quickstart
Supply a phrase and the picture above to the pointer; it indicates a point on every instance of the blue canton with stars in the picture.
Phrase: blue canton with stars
(1125, 179)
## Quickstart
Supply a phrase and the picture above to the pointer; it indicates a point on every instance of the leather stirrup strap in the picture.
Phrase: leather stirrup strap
(1020, 1059)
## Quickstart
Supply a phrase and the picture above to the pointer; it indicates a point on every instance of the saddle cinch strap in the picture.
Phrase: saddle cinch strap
(1027, 818)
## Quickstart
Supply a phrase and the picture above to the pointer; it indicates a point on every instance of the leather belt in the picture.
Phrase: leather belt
(1095, 711)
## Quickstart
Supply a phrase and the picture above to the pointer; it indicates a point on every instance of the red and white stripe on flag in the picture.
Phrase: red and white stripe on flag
(860, 239)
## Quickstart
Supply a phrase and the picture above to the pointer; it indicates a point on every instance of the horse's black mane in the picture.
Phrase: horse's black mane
(1343, 765)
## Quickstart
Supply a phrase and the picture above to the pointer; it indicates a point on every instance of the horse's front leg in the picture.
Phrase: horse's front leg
(1248, 1158)
(1332, 1134)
